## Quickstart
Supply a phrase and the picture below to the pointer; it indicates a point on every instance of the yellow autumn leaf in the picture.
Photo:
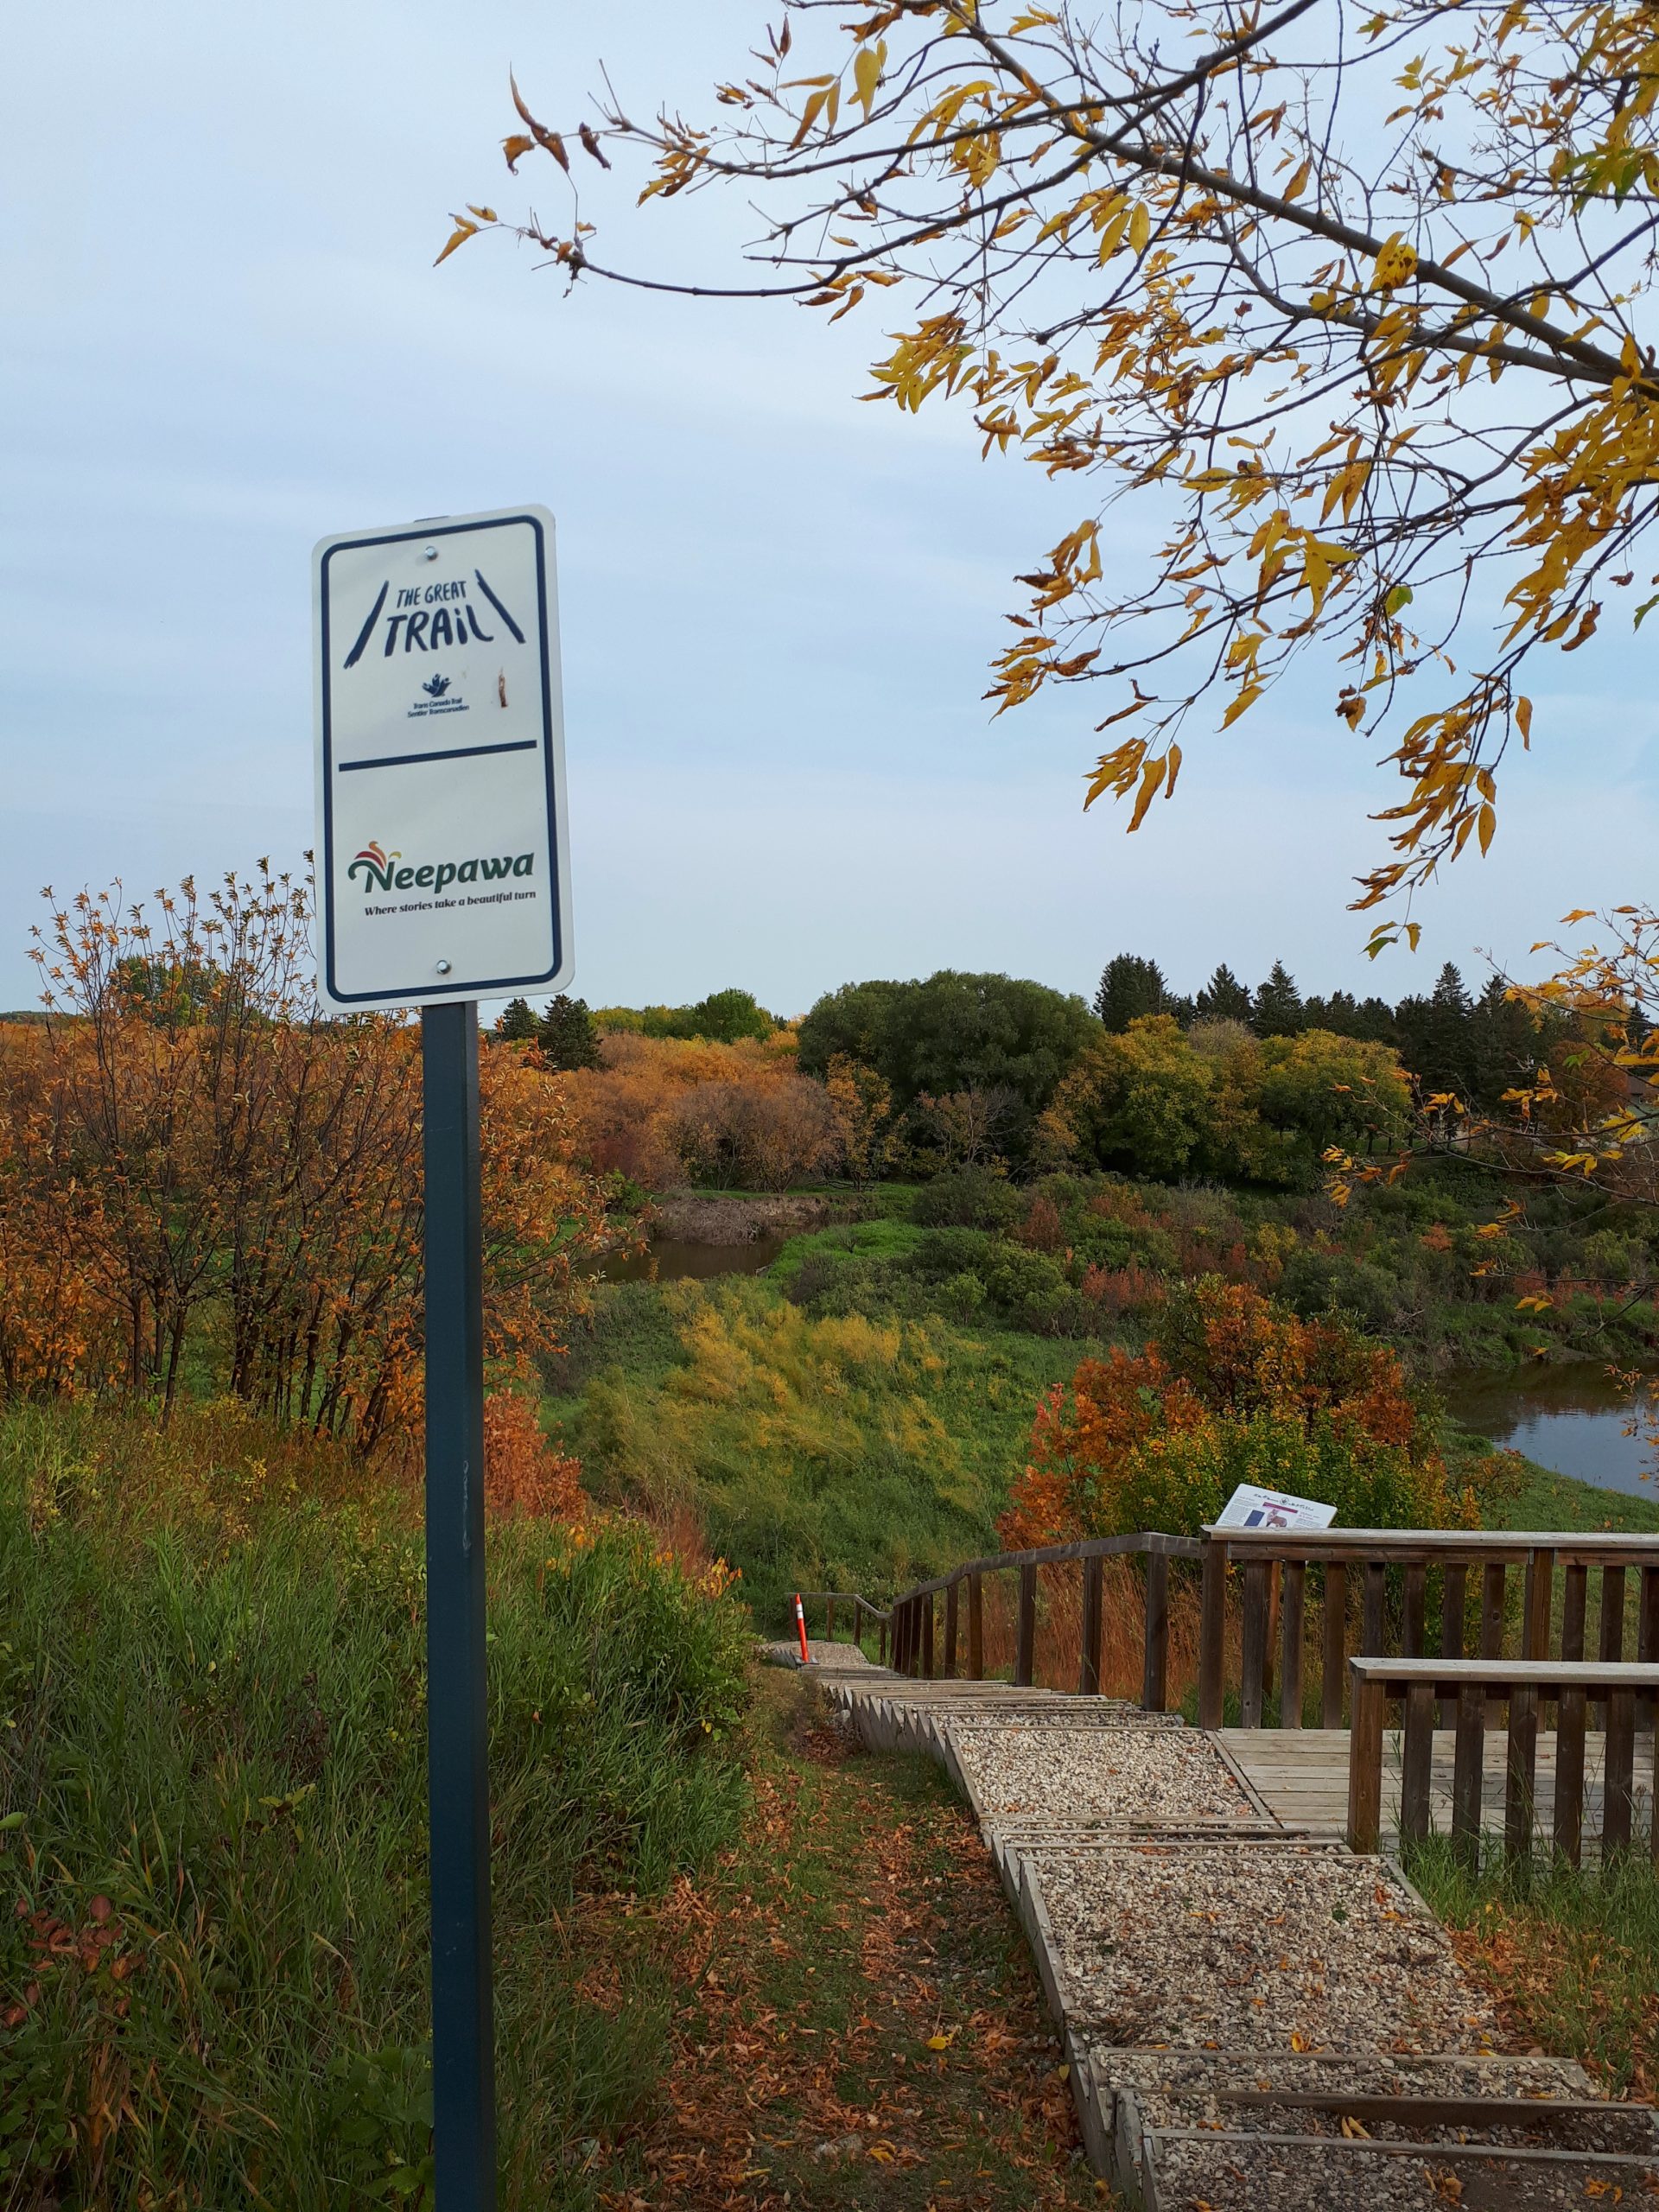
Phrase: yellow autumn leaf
(1241, 705)
(1140, 227)
(868, 65)
(939, 2043)
(463, 232)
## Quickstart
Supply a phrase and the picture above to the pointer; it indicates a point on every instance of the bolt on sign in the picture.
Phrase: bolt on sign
(442, 871)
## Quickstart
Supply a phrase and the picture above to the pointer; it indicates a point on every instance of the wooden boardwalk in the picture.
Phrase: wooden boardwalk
(1301, 1774)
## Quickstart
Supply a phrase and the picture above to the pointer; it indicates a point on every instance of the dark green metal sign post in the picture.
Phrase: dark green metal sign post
(463, 2024)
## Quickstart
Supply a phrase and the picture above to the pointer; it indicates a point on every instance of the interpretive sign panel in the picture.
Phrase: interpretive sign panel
(441, 862)
(1252, 1507)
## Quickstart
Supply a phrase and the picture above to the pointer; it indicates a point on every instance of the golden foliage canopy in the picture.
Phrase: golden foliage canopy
(1354, 301)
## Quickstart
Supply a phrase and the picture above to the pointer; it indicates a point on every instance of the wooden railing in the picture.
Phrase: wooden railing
(1392, 1570)
(921, 1644)
(1525, 1687)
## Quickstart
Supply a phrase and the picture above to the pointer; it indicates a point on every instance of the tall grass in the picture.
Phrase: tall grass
(1573, 1953)
(213, 1945)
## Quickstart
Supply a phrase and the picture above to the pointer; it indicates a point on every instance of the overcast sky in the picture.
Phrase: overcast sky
(226, 338)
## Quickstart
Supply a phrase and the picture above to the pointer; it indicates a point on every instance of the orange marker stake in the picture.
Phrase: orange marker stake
(800, 1623)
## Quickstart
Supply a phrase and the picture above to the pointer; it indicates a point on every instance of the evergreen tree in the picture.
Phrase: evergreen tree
(1224, 998)
(566, 1035)
(1436, 1036)
(1130, 987)
(515, 1024)
(1373, 1022)
(1276, 1010)
(1504, 1047)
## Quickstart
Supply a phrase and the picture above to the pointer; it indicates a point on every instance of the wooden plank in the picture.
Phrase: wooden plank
(1568, 1825)
(1026, 1634)
(976, 1629)
(1503, 1674)
(1611, 1639)
(1253, 1662)
(1470, 1760)
(1540, 1592)
(1399, 1545)
(1290, 1662)
(1493, 1578)
(1334, 1660)
(926, 1604)
(1089, 1656)
(1521, 1787)
(1647, 1642)
(1412, 1611)
(1417, 1762)
(1454, 1599)
(1618, 1794)
(1372, 1639)
(950, 1609)
(1212, 1636)
(1365, 1767)
(1154, 1664)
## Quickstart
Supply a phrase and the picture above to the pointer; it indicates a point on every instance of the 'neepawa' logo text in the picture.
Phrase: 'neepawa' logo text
(380, 872)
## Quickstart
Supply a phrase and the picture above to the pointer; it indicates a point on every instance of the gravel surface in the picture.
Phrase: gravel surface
(834, 1658)
(1124, 1774)
(1289, 2174)
(1180, 2090)
(1258, 1946)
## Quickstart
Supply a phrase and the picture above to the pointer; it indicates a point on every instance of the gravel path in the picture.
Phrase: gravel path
(1171, 1775)
(1289, 2174)
(1265, 1946)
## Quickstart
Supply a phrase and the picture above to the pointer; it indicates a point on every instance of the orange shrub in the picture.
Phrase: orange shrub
(664, 1110)
(525, 1476)
(1235, 1390)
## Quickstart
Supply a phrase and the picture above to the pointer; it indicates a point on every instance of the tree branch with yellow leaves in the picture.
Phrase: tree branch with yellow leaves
(1353, 304)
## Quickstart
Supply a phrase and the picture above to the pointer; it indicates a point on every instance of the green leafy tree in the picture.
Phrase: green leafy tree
(1276, 1010)
(724, 1017)
(516, 1024)
(851, 1023)
(1139, 1102)
(566, 1035)
(1130, 987)
(1333, 1090)
(1224, 998)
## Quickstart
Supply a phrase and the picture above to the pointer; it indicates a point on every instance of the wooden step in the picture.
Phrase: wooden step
(1294, 2173)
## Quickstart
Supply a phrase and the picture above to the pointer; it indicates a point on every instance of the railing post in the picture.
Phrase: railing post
(1026, 1634)
(1089, 1657)
(1290, 1657)
(1568, 1824)
(1334, 1669)
(1454, 1595)
(950, 1626)
(1212, 1634)
(1412, 1610)
(1254, 1661)
(1618, 1786)
(928, 1610)
(1467, 1774)
(1372, 1627)
(1365, 1764)
(976, 1629)
(1542, 1594)
(1521, 1789)
(1154, 1665)
(1417, 1762)
(1613, 1626)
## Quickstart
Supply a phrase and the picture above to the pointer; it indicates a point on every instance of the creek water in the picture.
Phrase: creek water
(672, 1259)
(1572, 1419)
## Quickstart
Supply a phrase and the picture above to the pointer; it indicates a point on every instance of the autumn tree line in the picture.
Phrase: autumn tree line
(208, 1187)
(964, 1071)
